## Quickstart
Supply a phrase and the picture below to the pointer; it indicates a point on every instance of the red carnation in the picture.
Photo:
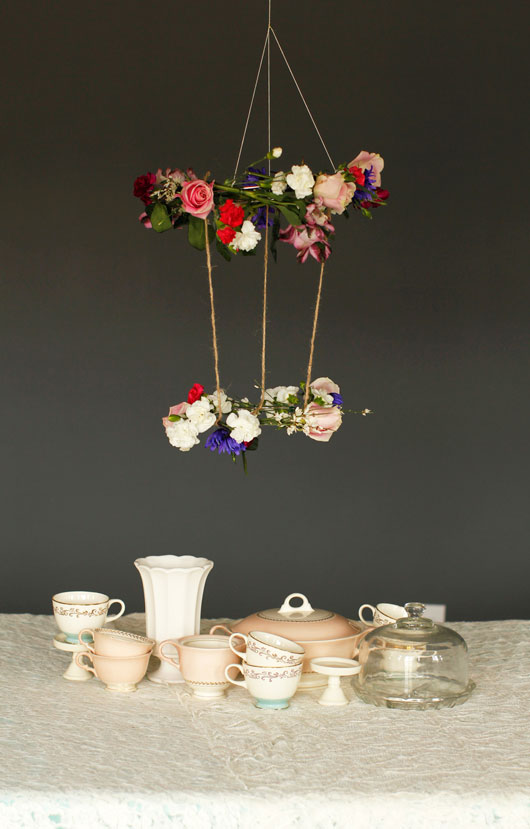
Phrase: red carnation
(195, 393)
(358, 174)
(143, 186)
(380, 197)
(226, 234)
(231, 214)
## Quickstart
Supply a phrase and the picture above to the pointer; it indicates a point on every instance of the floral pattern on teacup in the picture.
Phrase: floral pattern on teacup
(287, 658)
(285, 673)
(72, 611)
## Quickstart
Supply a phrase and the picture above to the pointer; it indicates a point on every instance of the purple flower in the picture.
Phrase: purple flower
(221, 440)
(337, 399)
(251, 181)
(260, 218)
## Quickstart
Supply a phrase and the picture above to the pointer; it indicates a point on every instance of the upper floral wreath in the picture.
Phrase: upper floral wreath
(237, 210)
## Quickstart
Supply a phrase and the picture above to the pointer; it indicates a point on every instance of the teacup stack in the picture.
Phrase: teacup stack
(271, 666)
(118, 658)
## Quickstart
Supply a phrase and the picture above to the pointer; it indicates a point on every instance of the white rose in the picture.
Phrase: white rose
(278, 185)
(301, 181)
(226, 404)
(244, 425)
(247, 238)
(182, 434)
(200, 414)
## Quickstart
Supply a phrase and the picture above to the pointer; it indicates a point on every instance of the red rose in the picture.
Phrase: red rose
(143, 186)
(226, 234)
(231, 214)
(195, 393)
(358, 175)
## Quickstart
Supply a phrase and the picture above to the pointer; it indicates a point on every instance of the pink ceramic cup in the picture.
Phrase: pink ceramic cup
(109, 642)
(202, 660)
(118, 673)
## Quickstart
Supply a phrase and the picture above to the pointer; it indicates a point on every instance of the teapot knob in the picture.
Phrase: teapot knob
(288, 608)
(415, 609)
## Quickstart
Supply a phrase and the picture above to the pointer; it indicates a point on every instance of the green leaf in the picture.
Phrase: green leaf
(292, 217)
(196, 236)
(174, 418)
(160, 218)
(366, 213)
(253, 445)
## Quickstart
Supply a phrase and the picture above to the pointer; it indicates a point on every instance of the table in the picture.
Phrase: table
(76, 756)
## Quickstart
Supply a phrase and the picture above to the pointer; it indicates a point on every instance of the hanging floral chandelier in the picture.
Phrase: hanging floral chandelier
(260, 205)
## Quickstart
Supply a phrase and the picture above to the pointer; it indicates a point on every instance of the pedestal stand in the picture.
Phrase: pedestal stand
(334, 667)
(73, 672)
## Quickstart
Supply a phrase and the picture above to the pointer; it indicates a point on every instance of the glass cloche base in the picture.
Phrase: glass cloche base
(424, 692)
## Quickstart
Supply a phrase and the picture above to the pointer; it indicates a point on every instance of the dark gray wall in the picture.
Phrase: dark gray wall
(424, 318)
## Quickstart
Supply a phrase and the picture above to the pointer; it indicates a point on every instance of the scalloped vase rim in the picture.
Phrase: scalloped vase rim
(172, 562)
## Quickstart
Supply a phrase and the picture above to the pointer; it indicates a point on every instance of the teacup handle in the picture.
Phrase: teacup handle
(88, 645)
(220, 627)
(241, 682)
(172, 660)
(120, 613)
(242, 636)
(366, 621)
(79, 657)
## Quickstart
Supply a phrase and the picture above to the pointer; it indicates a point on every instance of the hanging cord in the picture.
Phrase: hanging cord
(313, 335)
(267, 36)
(264, 315)
(302, 97)
(212, 317)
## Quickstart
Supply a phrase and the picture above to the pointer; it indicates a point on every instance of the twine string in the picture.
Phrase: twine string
(212, 318)
(313, 335)
(264, 314)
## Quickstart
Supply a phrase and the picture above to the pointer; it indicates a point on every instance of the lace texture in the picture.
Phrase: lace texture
(76, 756)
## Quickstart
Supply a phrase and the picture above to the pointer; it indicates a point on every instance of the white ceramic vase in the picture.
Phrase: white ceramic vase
(173, 589)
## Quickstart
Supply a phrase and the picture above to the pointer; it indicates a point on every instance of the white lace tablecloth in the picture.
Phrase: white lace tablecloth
(75, 756)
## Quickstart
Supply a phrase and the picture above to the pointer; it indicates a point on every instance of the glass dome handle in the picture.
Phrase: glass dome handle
(415, 610)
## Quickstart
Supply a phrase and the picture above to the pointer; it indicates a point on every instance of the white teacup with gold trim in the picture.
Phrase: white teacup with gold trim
(266, 649)
(383, 614)
(270, 687)
(78, 609)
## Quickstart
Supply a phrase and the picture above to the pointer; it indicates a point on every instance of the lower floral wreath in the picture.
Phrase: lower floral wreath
(317, 413)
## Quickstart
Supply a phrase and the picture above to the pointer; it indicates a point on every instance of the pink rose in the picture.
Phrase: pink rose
(326, 385)
(366, 160)
(197, 198)
(323, 421)
(333, 192)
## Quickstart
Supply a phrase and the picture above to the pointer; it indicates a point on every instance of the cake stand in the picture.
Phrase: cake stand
(73, 672)
(334, 667)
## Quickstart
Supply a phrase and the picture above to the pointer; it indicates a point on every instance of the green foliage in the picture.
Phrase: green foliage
(222, 249)
(160, 218)
(196, 236)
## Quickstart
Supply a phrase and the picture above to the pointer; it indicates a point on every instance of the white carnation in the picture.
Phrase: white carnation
(278, 185)
(244, 425)
(301, 181)
(182, 434)
(226, 403)
(247, 238)
(200, 414)
(280, 393)
(322, 395)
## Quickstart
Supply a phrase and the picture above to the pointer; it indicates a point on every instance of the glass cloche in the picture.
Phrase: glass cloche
(413, 663)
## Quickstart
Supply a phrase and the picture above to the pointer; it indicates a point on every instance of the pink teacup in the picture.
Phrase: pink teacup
(118, 673)
(109, 642)
(202, 660)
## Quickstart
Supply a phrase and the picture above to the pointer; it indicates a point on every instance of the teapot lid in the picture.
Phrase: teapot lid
(302, 613)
